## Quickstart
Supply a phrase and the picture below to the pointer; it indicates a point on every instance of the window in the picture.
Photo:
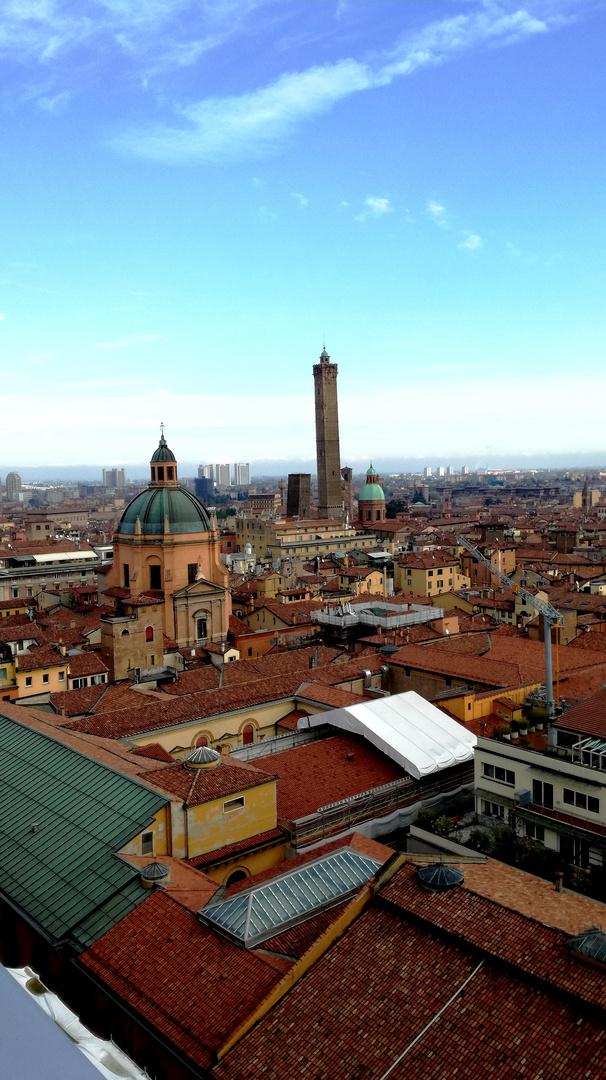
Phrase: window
(2, 673)
(580, 799)
(248, 734)
(233, 804)
(153, 472)
(202, 741)
(147, 843)
(496, 772)
(535, 832)
(152, 660)
(201, 629)
(250, 652)
(29, 591)
(542, 794)
(125, 633)
(493, 809)
(155, 577)
(170, 472)
(46, 678)
(430, 573)
(160, 473)
(192, 570)
(61, 676)
(28, 680)
(149, 633)
(126, 575)
(15, 594)
(440, 584)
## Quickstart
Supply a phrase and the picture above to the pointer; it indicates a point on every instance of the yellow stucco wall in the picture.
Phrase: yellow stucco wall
(475, 706)
(212, 825)
(255, 863)
(160, 827)
(38, 685)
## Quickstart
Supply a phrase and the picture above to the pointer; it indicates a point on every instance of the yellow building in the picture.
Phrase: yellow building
(429, 573)
(292, 538)
(41, 671)
(166, 545)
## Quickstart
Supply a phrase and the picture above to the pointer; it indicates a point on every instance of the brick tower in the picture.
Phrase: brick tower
(330, 498)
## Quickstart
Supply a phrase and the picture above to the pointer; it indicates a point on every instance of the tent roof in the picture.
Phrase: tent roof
(408, 729)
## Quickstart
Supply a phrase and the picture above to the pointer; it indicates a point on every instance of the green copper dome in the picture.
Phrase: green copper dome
(184, 511)
(163, 453)
(371, 491)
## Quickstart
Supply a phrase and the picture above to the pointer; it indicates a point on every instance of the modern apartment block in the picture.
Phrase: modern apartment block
(552, 790)
(206, 472)
(241, 474)
(13, 487)
(114, 478)
(222, 475)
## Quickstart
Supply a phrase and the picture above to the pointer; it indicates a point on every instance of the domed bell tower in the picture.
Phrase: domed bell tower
(163, 465)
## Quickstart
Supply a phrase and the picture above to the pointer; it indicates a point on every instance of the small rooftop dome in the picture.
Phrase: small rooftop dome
(439, 877)
(155, 871)
(203, 757)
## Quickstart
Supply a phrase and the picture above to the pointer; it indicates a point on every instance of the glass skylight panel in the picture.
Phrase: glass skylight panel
(256, 914)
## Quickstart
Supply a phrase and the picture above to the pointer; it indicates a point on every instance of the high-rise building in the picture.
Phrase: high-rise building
(450, 471)
(330, 499)
(465, 470)
(204, 488)
(440, 470)
(206, 471)
(241, 474)
(13, 487)
(298, 495)
(114, 478)
(427, 471)
(222, 476)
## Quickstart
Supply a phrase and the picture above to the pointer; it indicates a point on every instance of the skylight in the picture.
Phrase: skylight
(254, 915)
(590, 945)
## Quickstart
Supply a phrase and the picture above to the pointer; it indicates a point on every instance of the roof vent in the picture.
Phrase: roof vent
(202, 758)
(155, 873)
(590, 945)
(439, 877)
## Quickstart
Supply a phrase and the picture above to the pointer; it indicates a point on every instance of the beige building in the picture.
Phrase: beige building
(298, 538)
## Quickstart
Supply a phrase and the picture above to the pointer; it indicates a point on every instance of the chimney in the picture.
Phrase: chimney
(559, 881)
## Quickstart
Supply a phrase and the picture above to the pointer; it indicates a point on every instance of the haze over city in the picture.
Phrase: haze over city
(197, 195)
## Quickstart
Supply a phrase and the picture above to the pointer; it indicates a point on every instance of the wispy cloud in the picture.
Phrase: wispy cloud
(472, 242)
(244, 124)
(301, 199)
(56, 104)
(437, 213)
(130, 341)
(378, 205)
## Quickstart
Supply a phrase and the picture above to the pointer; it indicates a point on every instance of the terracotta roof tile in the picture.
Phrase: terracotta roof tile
(195, 786)
(224, 854)
(167, 967)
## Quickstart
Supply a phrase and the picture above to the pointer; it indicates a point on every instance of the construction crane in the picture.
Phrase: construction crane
(551, 617)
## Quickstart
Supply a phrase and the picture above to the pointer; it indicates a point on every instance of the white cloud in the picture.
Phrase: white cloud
(377, 205)
(436, 210)
(55, 105)
(472, 242)
(301, 199)
(129, 341)
(244, 124)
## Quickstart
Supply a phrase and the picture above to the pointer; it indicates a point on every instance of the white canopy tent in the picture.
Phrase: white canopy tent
(406, 728)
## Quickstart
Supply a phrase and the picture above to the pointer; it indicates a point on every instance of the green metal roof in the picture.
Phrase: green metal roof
(184, 511)
(63, 818)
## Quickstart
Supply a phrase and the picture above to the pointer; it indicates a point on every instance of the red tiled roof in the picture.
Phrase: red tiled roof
(45, 656)
(224, 854)
(428, 560)
(386, 987)
(77, 702)
(153, 750)
(87, 663)
(587, 718)
(167, 967)
(319, 773)
(195, 786)
(328, 695)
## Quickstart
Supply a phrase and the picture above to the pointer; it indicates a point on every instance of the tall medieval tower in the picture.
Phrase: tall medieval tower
(330, 498)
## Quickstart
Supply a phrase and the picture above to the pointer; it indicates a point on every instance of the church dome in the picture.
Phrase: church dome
(371, 491)
(185, 513)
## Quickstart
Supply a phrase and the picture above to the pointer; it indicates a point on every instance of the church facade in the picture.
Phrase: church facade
(167, 550)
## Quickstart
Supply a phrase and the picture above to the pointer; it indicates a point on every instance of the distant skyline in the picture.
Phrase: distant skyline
(196, 193)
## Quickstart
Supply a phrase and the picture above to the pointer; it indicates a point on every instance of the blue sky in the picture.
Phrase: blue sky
(193, 194)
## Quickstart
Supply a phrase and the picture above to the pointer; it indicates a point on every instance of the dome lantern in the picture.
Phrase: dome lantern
(163, 464)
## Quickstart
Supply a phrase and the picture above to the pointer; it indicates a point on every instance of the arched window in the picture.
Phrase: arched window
(202, 741)
(201, 629)
(248, 734)
(149, 633)
(238, 875)
(125, 633)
